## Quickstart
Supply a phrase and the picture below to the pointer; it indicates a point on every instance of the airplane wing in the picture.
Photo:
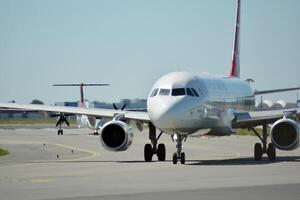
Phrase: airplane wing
(257, 92)
(8, 110)
(255, 118)
(132, 115)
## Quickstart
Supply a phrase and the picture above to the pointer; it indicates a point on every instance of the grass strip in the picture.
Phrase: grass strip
(3, 152)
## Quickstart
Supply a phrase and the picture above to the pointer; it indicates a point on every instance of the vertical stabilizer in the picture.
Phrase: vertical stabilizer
(82, 105)
(235, 62)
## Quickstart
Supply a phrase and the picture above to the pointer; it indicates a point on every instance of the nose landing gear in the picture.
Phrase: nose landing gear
(61, 119)
(178, 155)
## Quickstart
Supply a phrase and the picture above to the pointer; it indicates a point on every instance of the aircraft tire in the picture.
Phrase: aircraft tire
(271, 152)
(258, 151)
(161, 152)
(174, 158)
(148, 152)
(182, 158)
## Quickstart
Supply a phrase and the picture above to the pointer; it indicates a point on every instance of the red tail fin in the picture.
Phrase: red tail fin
(235, 62)
(82, 105)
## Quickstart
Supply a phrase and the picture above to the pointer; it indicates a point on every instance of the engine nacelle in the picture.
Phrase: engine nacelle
(285, 134)
(116, 136)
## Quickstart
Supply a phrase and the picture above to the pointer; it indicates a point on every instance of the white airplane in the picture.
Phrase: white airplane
(92, 122)
(183, 105)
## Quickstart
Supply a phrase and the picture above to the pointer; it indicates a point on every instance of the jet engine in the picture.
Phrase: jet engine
(116, 135)
(285, 134)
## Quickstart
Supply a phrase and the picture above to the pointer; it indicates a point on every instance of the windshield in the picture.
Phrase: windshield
(178, 92)
(164, 92)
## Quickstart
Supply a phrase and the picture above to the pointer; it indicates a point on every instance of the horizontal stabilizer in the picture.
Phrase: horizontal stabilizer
(82, 84)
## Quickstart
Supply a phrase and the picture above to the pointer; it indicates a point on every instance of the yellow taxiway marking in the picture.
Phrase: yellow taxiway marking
(91, 153)
(39, 180)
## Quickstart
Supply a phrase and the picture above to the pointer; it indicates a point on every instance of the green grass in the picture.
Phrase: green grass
(3, 152)
(31, 121)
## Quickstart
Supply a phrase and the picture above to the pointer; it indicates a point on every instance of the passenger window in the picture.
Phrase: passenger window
(164, 92)
(195, 93)
(178, 92)
(189, 92)
(154, 93)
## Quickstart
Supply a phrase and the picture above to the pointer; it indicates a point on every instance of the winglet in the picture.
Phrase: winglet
(235, 62)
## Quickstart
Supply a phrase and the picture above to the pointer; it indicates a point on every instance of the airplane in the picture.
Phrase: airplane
(90, 122)
(184, 105)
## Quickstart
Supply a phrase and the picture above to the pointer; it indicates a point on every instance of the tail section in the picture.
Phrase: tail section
(82, 105)
(81, 85)
(235, 62)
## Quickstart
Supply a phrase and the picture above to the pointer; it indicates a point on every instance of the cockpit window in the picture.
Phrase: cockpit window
(195, 93)
(178, 92)
(154, 93)
(164, 92)
(189, 92)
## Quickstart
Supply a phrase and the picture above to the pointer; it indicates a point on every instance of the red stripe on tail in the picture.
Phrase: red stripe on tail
(235, 63)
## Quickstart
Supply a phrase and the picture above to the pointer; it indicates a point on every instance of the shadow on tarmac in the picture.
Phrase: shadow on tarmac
(235, 161)
(244, 161)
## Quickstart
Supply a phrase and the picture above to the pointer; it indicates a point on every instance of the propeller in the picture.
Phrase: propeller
(115, 106)
(122, 108)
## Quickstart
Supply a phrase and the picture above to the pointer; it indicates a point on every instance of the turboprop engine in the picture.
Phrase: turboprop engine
(285, 134)
(116, 135)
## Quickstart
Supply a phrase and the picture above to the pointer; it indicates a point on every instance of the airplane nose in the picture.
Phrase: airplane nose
(164, 112)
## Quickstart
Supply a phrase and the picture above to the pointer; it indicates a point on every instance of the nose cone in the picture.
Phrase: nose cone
(165, 111)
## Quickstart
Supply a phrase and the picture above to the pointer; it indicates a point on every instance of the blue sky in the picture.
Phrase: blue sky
(130, 44)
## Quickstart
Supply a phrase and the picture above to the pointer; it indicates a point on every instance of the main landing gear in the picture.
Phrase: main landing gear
(178, 155)
(151, 149)
(261, 148)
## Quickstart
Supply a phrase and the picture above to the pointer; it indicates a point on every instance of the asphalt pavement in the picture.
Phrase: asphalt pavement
(43, 165)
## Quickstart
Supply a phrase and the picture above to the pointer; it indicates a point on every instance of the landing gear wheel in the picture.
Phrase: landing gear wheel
(182, 158)
(271, 152)
(174, 158)
(258, 151)
(148, 152)
(61, 131)
(161, 152)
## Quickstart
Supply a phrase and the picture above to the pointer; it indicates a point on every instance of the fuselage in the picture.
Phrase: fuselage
(85, 121)
(184, 104)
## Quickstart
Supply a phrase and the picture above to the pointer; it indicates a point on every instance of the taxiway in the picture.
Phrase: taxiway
(43, 165)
